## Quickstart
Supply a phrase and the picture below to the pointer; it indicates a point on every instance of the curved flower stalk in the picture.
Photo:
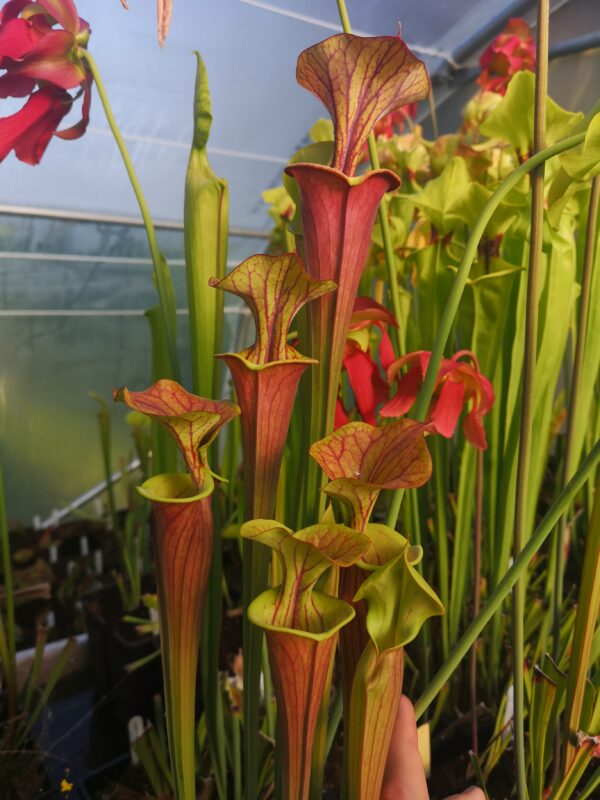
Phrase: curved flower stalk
(398, 600)
(359, 80)
(301, 627)
(457, 384)
(266, 377)
(41, 61)
(182, 532)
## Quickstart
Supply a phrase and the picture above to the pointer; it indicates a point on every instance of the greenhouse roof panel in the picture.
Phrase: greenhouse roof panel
(261, 115)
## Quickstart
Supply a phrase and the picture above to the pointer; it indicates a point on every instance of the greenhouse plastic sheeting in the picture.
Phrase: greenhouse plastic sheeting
(260, 113)
(72, 294)
(71, 326)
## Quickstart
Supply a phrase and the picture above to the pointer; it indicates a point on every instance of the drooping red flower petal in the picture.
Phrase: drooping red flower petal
(17, 38)
(12, 9)
(341, 415)
(33, 50)
(50, 60)
(31, 46)
(458, 384)
(386, 350)
(65, 13)
(446, 407)
(408, 385)
(15, 85)
(367, 312)
(29, 131)
(394, 122)
(367, 385)
(77, 130)
(474, 430)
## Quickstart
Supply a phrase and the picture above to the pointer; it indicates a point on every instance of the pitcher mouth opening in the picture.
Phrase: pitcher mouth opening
(350, 180)
(176, 487)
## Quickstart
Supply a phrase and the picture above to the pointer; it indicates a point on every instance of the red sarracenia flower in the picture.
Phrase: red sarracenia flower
(511, 51)
(39, 53)
(364, 374)
(394, 122)
(458, 383)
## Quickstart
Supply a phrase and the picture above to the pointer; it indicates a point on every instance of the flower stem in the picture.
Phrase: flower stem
(388, 248)
(476, 596)
(441, 534)
(519, 567)
(462, 274)
(433, 113)
(527, 401)
(162, 276)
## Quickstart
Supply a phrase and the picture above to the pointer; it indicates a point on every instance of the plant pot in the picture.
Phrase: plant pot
(115, 644)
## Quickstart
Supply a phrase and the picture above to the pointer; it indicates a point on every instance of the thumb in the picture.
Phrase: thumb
(472, 793)
(404, 774)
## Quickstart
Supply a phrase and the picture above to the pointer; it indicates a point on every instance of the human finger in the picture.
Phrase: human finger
(472, 793)
(404, 774)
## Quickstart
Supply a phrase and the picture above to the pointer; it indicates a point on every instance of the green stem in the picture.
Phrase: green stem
(417, 539)
(462, 274)
(270, 711)
(441, 535)
(476, 597)
(390, 256)
(104, 424)
(394, 509)
(237, 757)
(164, 449)
(519, 567)
(433, 113)
(337, 710)
(573, 415)
(527, 401)
(388, 248)
(344, 18)
(161, 274)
